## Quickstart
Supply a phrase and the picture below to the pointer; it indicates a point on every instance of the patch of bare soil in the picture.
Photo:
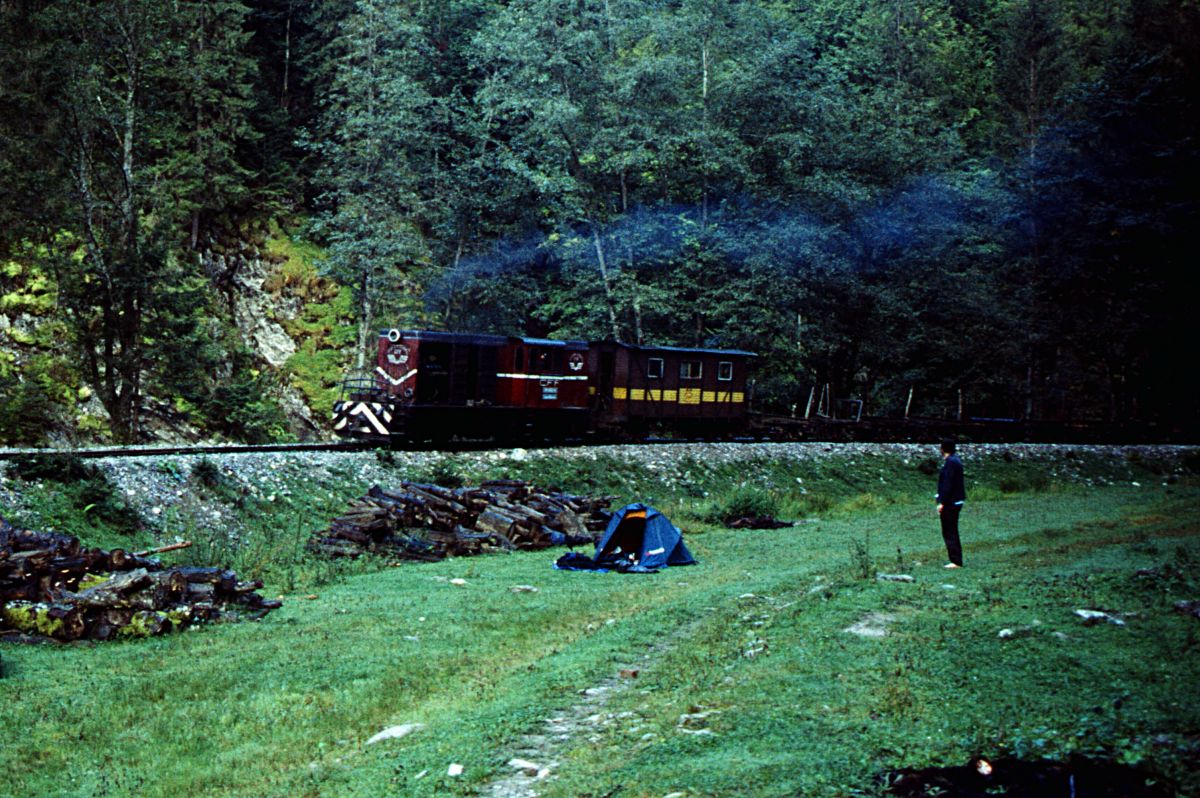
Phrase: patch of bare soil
(873, 624)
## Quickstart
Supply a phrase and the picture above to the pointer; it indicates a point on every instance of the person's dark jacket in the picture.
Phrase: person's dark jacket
(951, 487)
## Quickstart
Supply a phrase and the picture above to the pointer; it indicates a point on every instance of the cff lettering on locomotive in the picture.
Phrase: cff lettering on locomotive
(430, 386)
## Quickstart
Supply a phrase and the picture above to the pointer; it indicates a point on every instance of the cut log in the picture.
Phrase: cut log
(194, 573)
(111, 592)
(201, 591)
(492, 521)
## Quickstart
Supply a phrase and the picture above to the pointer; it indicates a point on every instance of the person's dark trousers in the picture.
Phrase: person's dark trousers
(949, 518)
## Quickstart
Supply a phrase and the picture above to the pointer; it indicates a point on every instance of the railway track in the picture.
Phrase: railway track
(768, 428)
(190, 449)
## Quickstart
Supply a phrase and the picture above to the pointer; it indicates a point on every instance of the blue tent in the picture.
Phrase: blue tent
(646, 534)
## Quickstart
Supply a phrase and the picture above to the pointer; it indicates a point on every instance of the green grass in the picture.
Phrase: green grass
(283, 707)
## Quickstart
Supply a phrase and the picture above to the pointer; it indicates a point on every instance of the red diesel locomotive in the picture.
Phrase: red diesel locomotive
(430, 386)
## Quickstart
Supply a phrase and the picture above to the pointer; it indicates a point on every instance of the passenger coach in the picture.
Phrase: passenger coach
(640, 389)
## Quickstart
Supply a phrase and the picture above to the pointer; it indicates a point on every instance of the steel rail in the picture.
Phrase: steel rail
(185, 450)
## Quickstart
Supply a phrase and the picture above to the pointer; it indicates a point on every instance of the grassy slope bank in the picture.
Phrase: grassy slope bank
(283, 707)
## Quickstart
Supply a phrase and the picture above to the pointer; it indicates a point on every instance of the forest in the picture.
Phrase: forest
(981, 201)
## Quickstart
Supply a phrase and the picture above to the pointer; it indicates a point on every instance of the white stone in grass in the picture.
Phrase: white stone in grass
(455, 769)
(1096, 616)
(458, 581)
(396, 732)
(525, 766)
(1005, 634)
(523, 589)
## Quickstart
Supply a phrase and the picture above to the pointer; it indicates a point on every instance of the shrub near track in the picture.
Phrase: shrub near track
(753, 638)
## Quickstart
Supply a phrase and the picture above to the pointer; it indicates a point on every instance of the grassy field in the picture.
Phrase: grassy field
(751, 644)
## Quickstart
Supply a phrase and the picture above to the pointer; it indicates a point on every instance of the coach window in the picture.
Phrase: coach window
(690, 369)
(654, 368)
(725, 370)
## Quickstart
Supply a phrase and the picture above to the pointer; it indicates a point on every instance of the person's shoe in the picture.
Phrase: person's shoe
(952, 565)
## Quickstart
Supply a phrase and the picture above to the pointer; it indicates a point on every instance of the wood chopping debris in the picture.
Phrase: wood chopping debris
(52, 587)
(427, 522)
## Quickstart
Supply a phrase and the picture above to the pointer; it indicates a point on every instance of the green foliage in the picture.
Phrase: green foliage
(742, 502)
(862, 564)
(244, 407)
(323, 329)
(26, 411)
(85, 499)
(298, 273)
(207, 473)
(26, 289)
(1026, 482)
(61, 468)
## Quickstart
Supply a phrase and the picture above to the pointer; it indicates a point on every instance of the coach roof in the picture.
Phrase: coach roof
(679, 349)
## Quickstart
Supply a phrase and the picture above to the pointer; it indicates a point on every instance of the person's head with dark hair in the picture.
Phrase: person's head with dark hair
(948, 446)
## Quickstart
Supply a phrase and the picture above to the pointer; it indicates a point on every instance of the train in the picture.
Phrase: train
(430, 386)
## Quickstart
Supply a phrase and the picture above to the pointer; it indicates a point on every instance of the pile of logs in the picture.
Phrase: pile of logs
(51, 586)
(419, 521)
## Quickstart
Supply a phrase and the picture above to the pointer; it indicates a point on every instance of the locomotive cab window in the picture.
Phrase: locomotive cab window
(654, 368)
(690, 369)
(725, 370)
(545, 361)
(519, 359)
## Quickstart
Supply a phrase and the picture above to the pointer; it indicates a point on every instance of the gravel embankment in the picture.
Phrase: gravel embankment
(161, 491)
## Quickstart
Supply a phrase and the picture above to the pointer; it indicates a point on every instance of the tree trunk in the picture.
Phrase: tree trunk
(365, 320)
(287, 58)
(606, 280)
(704, 126)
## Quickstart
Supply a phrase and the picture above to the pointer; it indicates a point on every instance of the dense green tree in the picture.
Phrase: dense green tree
(374, 141)
(139, 122)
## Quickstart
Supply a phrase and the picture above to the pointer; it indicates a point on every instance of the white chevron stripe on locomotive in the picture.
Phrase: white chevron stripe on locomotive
(395, 380)
(366, 411)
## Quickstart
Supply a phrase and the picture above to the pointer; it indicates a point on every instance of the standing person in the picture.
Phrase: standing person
(952, 492)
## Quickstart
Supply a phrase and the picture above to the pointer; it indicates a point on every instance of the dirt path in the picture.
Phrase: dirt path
(536, 757)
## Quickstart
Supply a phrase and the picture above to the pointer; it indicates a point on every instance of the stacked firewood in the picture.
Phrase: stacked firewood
(420, 521)
(51, 586)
